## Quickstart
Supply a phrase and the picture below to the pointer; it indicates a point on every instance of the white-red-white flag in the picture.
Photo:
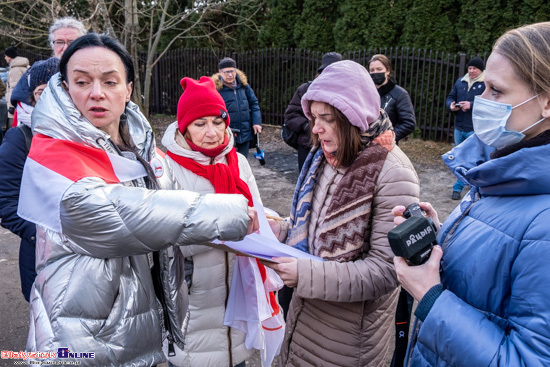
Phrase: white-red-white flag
(53, 165)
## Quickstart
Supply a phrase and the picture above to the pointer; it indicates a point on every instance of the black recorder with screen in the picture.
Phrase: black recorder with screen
(414, 238)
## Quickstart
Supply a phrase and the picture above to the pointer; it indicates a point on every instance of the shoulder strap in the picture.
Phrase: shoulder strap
(28, 135)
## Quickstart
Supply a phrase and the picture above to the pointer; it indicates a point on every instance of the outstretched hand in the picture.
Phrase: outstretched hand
(418, 280)
(287, 268)
(253, 224)
(275, 226)
(428, 209)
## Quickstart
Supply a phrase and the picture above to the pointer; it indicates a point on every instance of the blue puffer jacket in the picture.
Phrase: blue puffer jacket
(495, 309)
(242, 106)
(460, 92)
(13, 153)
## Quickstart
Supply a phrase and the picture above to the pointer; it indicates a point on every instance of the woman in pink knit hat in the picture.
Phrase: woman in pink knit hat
(202, 158)
(342, 309)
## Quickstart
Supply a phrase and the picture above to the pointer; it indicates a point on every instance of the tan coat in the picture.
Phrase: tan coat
(18, 66)
(342, 313)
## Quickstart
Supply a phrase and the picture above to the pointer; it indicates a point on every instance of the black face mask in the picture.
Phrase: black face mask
(378, 78)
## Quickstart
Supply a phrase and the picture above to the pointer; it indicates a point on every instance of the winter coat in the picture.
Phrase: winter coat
(13, 153)
(94, 290)
(495, 308)
(207, 342)
(342, 313)
(242, 106)
(22, 91)
(460, 92)
(398, 105)
(18, 66)
(295, 118)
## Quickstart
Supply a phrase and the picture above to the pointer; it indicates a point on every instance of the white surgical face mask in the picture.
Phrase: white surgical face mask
(489, 119)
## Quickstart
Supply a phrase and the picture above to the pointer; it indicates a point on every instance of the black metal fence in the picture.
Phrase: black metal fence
(274, 75)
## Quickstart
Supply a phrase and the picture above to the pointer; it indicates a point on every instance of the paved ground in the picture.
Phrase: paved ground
(276, 183)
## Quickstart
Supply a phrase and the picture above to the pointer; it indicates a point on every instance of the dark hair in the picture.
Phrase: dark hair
(101, 40)
(98, 40)
(349, 137)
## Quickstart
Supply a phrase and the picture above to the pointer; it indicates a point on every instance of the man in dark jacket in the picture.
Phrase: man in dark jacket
(461, 102)
(294, 116)
(241, 102)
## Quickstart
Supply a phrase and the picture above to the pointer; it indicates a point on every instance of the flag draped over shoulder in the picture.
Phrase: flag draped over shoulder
(252, 307)
(53, 165)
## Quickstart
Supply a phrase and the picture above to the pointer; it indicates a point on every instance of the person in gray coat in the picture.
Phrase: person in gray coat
(108, 291)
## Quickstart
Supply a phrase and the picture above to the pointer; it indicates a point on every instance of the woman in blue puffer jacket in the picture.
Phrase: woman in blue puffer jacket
(486, 303)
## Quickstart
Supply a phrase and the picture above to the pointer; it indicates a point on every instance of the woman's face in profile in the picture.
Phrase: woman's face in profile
(96, 82)
(502, 84)
(206, 132)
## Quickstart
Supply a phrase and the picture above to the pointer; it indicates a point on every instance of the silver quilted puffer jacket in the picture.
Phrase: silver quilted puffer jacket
(94, 291)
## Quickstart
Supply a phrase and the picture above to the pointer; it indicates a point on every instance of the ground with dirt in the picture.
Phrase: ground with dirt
(276, 180)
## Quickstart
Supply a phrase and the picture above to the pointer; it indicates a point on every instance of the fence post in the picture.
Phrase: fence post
(462, 65)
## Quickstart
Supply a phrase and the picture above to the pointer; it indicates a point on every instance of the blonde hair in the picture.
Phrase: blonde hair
(528, 49)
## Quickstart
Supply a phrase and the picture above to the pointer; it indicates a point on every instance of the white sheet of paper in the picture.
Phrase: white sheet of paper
(264, 245)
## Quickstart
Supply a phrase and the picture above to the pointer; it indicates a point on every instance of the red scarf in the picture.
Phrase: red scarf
(214, 152)
(224, 177)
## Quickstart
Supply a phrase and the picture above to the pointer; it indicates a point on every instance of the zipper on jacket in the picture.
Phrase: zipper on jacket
(230, 347)
(463, 215)
(387, 103)
(159, 291)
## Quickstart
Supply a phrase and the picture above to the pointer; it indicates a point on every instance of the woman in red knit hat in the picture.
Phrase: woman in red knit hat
(202, 158)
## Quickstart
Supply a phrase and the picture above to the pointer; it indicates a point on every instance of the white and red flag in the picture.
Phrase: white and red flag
(53, 165)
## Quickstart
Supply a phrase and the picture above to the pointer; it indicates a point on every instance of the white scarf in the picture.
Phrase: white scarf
(24, 112)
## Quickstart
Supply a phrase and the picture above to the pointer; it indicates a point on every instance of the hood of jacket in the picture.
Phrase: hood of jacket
(240, 78)
(170, 140)
(56, 116)
(466, 78)
(19, 61)
(524, 172)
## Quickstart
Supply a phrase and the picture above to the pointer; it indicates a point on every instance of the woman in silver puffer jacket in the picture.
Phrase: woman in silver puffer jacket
(106, 282)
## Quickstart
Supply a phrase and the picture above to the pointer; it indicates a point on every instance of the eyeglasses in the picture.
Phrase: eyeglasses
(229, 72)
(60, 43)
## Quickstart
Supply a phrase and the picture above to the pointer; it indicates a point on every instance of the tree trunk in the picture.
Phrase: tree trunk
(131, 27)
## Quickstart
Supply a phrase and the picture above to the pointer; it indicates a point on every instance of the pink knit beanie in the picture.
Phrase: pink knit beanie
(347, 86)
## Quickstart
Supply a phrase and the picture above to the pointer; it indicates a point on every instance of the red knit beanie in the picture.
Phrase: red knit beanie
(199, 99)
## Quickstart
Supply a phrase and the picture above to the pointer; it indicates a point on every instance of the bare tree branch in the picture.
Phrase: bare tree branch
(141, 25)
